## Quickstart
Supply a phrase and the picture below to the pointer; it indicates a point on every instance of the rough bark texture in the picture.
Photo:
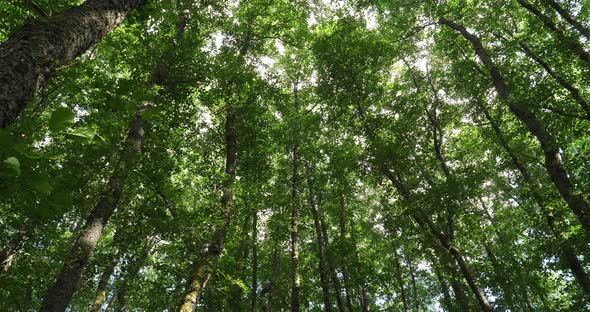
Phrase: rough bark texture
(553, 163)
(573, 44)
(205, 268)
(68, 281)
(585, 31)
(101, 291)
(295, 274)
(33, 53)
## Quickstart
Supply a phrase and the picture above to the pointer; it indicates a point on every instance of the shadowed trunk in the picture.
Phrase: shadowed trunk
(324, 279)
(553, 162)
(33, 53)
(585, 31)
(101, 291)
(205, 268)
(574, 46)
(68, 281)
(295, 274)
(254, 260)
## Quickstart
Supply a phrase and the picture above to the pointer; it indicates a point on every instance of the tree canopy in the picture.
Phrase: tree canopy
(274, 155)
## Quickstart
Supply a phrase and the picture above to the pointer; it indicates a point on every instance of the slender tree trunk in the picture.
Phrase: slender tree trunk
(414, 288)
(553, 162)
(101, 291)
(330, 258)
(8, 254)
(254, 260)
(295, 274)
(400, 280)
(575, 92)
(568, 254)
(205, 268)
(585, 31)
(364, 293)
(236, 292)
(33, 53)
(276, 268)
(444, 289)
(345, 276)
(573, 44)
(324, 279)
(68, 281)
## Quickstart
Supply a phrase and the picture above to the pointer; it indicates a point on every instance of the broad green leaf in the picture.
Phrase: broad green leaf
(61, 119)
(87, 133)
(13, 166)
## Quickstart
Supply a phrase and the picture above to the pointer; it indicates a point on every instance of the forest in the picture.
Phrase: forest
(294, 155)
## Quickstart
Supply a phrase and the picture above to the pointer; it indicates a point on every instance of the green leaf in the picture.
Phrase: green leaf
(29, 152)
(87, 133)
(61, 119)
(43, 186)
(13, 166)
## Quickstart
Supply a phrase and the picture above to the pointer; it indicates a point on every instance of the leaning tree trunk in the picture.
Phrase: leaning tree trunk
(568, 254)
(8, 254)
(573, 44)
(101, 291)
(553, 162)
(205, 268)
(585, 31)
(68, 281)
(33, 53)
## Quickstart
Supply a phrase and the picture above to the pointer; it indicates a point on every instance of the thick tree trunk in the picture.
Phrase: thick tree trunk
(324, 277)
(68, 281)
(295, 274)
(574, 46)
(205, 268)
(553, 162)
(254, 261)
(585, 31)
(103, 282)
(33, 53)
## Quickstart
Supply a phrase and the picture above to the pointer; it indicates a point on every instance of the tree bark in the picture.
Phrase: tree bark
(324, 279)
(295, 274)
(573, 44)
(68, 281)
(585, 31)
(575, 92)
(101, 291)
(8, 254)
(400, 280)
(553, 162)
(205, 268)
(568, 254)
(254, 260)
(33, 53)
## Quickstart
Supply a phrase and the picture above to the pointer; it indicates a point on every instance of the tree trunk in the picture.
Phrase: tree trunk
(330, 258)
(364, 293)
(9, 252)
(324, 279)
(295, 274)
(276, 268)
(68, 281)
(576, 94)
(101, 291)
(254, 260)
(35, 52)
(414, 288)
(553, 163)
(205, 268)
(568, 255)
(585, 31)
(345, 276)
(573, 45)
(400, 280)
